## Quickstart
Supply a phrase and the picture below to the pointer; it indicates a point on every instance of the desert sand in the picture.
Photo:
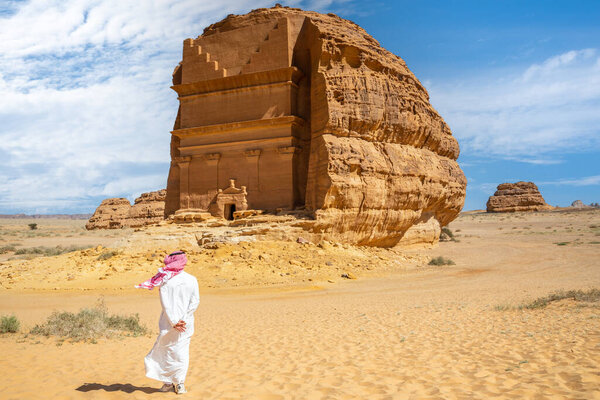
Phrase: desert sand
(401, 330)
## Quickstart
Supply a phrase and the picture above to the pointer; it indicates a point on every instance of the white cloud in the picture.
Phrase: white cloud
(585, 181)
(544, 110)
(84, 88)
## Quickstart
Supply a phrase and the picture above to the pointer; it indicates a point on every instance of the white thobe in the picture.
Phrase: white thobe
(169, 358)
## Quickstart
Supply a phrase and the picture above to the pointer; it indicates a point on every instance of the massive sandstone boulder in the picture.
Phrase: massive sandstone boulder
(520, 196)
(116, 213)
(305, 110)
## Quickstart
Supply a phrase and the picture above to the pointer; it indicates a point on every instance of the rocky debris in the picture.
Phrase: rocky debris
(519, 196)
(116, 213)
(377, 159)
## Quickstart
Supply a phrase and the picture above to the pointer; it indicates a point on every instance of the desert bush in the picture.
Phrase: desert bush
(6, 249)
(591, 295)
(441, 261)
(33, 227)
(89, 324)
(562, 243)
(49, 251)
(446, 235)
(9, 324)
(107, 254)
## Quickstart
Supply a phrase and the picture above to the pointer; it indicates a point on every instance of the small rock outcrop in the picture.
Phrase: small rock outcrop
(578, 204)
(520, 196)
(118, 213)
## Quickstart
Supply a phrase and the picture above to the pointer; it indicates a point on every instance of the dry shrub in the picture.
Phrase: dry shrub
(589, 296)
(9, 324)
(441, 261)
(89, 324)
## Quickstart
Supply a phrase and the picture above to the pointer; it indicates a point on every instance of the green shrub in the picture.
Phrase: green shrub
(9, 324)
(441, 261)
(33, 227)
(89, 324)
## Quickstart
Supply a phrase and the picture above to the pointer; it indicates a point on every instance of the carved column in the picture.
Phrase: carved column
(184, 181)
(252, 157)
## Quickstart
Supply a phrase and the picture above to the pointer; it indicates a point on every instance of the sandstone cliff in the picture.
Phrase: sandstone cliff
(117, 213)
(380, 160)
(520, 196)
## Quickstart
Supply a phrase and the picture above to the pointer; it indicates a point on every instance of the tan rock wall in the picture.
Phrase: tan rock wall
(117, 213)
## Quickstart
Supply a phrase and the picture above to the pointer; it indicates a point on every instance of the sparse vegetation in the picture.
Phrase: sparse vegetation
(89, 324)
(6, 249)
(562, 243)
(107, 254)
(446, 235)
(33, 227)
(592, 295)
(9, 324)
(441, 261)
(48, 251)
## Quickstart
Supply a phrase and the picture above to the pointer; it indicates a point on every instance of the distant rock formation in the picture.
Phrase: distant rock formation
(117, 213)
(307, 111)
(578, 204)
(520, 196)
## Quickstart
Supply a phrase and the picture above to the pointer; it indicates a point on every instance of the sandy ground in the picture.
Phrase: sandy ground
(402, 330)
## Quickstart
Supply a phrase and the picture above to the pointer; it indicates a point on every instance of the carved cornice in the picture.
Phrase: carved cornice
(290, 74)
(212, 156)
(182, 160)
(288, 150)
(252, 153)
(230, 127)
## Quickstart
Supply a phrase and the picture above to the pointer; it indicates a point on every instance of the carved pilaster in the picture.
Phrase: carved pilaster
(252, 157)
(184, 180)
(212, 166)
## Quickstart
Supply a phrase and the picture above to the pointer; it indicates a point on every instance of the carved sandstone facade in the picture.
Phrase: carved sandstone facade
(307, 110)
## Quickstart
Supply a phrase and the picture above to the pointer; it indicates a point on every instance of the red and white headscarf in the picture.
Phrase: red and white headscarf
(174, 264)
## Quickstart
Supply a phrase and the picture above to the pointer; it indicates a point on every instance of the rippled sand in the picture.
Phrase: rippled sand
(427, 332)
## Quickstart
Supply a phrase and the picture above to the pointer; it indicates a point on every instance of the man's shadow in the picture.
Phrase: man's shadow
(116, 387)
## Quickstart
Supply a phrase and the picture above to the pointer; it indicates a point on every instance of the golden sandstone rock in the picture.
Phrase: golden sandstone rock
(118, 213)
(520, 196)
(296, 109)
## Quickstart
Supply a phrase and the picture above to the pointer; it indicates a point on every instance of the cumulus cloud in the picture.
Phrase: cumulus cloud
(531, 115)
(85, 104)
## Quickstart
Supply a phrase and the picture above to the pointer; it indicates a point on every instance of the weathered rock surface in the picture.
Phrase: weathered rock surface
(579, 204)
(116, 213)
(520, 196)
(371, 159)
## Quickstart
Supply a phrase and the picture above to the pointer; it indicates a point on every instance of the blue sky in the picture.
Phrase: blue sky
(86, 109)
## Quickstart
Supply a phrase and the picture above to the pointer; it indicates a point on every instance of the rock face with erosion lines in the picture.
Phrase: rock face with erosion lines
(520, 196)
(116, 213)
(296, 110)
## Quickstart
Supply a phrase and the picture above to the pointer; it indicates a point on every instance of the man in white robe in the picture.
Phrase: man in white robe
(179, 296)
